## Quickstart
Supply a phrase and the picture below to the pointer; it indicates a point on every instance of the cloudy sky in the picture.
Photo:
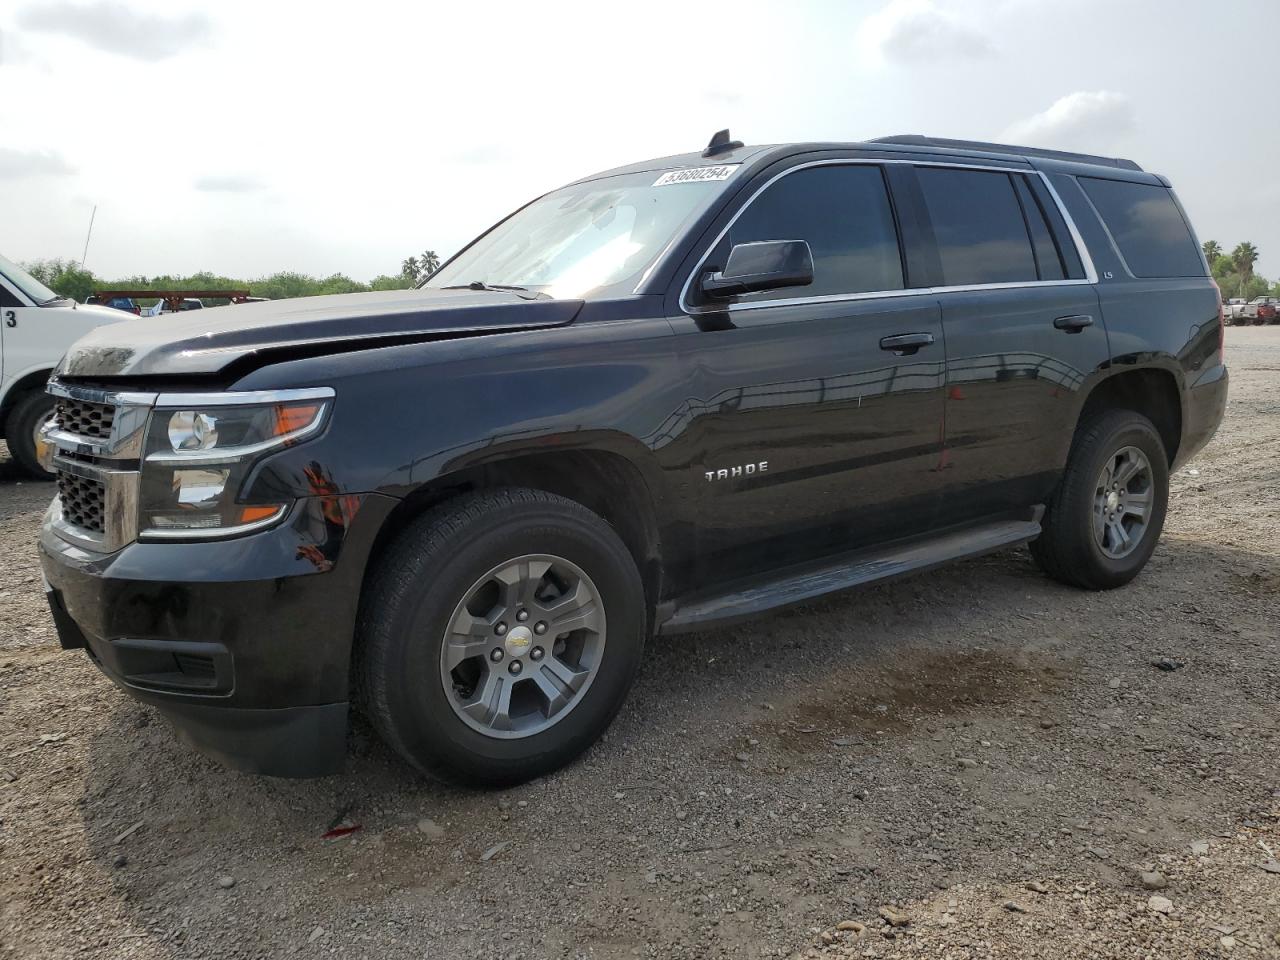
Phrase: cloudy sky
(247, 138)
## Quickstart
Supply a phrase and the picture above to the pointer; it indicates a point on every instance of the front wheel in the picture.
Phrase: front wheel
(30, 414)
(499, 635)
(1106, 517)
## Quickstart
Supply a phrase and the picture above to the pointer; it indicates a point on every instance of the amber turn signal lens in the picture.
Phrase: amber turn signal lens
(254, 514)
(294, 416)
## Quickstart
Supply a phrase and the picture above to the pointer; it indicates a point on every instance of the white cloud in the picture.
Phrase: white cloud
(229, 183)
(12, 50)
(914, 31)
(369, 146)
(18, 164)
(115, 28)
(1085, 120)
(483, 153)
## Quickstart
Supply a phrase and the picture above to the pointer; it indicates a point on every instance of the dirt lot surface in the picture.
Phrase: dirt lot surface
(985, 757)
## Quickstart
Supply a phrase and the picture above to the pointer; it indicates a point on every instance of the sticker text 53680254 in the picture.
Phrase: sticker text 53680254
(696, 175)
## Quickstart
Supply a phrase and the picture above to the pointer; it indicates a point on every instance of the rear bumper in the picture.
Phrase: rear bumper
(1206, 405)
(244, 645)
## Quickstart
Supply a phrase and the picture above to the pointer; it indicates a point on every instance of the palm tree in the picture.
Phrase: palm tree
(430, 261)
(1212, 250)
(1244, 256)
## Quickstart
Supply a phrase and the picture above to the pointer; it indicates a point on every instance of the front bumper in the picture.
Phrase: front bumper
(245, 644)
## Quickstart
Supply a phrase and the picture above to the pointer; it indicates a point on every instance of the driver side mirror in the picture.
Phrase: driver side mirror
(762, 265)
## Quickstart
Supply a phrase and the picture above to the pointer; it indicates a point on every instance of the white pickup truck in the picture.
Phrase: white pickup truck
(36, 328)
(1261, 310)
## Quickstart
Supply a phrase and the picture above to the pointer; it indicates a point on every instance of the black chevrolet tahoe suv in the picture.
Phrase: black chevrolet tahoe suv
(661, 398)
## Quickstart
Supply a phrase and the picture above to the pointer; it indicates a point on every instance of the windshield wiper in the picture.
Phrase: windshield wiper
(52, 300)
(503, 287)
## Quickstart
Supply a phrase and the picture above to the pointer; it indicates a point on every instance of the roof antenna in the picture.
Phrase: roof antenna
(720, 143)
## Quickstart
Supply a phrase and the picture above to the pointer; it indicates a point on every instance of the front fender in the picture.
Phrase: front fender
(34, 374)
(410, 415)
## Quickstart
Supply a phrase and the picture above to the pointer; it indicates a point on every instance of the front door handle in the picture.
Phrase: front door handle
(904, 344)
(1074, 323)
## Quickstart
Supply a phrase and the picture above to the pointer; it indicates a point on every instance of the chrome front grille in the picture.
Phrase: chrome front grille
(84, 418)
(84, 501)
(96, 435)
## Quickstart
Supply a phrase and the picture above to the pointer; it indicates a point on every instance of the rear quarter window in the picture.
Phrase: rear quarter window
(1148, 227)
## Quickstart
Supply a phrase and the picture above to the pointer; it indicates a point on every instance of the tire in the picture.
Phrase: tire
(1069, 549)
(417, 592)
(30, 412)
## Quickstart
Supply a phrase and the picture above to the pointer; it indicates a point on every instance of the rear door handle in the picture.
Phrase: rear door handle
(906, 343)
(1074, 323)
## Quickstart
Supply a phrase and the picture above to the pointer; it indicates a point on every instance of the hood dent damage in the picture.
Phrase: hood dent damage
(239, 338)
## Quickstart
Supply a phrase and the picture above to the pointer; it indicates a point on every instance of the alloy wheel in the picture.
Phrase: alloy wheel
(1122, 502)
(523, 646)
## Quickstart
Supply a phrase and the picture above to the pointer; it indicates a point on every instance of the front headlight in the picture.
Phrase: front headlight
(201, 447)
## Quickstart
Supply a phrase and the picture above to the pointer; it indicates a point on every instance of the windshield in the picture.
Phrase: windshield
(578, 239)
(25, 282)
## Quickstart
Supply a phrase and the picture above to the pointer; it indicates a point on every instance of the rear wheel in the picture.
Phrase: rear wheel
(30, 414)
(499, 635)
(1110, 506)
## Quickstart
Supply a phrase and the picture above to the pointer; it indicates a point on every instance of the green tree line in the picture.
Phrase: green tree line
(67, 278)
(1234, 271)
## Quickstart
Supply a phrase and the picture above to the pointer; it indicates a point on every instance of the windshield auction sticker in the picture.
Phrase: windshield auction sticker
(696, 175)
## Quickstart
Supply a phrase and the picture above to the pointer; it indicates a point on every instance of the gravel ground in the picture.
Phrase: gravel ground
(929, 750)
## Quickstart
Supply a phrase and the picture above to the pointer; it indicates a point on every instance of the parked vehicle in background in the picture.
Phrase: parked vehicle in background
(38, 326)
(1260, 310)
(177, 301)
(676, 394)
(1233, 309)
(173, 306)
(115, 303)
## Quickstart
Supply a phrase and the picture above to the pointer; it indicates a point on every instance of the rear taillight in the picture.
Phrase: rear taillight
(1222, 325)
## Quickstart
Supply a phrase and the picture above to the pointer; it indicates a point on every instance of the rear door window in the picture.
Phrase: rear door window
(978, 225)
(844, 214)
(1147, 226)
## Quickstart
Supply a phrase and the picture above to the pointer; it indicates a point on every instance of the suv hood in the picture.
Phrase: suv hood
(252, 334)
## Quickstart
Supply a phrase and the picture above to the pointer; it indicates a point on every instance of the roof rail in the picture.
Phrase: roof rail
(916, 140)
